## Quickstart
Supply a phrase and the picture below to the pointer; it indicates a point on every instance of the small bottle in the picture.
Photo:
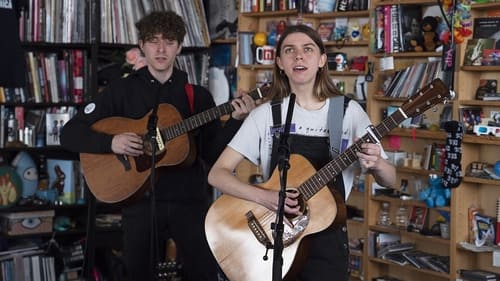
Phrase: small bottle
(402, 217)
(11, 128)
(384, 217)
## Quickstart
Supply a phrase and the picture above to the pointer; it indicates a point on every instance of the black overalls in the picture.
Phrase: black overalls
(328, 255)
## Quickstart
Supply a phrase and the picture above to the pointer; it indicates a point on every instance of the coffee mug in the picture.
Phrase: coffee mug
(264, 54)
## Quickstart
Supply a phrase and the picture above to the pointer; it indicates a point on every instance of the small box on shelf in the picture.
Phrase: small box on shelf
(27, 222)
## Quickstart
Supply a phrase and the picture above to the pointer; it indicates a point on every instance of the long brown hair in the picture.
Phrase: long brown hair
(323, 85)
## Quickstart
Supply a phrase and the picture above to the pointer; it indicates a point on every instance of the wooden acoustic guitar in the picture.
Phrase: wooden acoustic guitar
(239, 232)
(115, 178)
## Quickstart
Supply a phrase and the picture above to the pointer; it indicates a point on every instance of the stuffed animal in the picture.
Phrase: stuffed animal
(431, 41)
(415, 44)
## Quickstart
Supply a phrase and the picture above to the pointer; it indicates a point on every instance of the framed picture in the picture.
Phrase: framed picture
(325, 30)
(54, 123)
(418, 216)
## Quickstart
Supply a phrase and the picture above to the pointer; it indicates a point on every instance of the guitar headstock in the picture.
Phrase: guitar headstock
(260, 92)
(432, 94)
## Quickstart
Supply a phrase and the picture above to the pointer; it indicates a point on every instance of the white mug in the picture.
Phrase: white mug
(264, 54)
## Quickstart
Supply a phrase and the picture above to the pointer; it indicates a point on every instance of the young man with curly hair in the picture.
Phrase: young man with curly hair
(181, 197)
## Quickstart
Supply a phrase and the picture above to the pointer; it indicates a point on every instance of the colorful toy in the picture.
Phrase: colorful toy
(462, 26)
(435, 195)
(260, 39)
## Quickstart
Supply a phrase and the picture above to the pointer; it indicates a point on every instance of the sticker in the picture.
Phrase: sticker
(89, 108)
(6, 4)
(344, 144)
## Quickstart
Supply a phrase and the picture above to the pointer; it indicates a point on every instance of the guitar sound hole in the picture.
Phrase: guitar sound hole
(299, 222)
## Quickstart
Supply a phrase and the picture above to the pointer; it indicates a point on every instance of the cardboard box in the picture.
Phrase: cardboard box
(27, 222)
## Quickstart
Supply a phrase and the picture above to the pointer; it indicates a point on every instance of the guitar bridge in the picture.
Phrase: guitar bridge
(257, 229)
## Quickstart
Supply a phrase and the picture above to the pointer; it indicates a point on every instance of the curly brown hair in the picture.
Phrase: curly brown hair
(167, 23)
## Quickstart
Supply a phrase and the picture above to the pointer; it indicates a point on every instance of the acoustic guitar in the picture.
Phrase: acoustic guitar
(115, 178)
(239, 232)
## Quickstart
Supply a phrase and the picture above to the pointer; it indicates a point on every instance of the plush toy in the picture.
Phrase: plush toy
(431, 41)
(435, 195)
(415, 44)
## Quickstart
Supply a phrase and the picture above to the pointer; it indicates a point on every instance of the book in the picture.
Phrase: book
(477, 275)
(474, 50)
(418, 216)
(325, 30)
(53, 125)
(487, 27)
(470, 116)
(486, 87)
(64, 176)
(410, 17)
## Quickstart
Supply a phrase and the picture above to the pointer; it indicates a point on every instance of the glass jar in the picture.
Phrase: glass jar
(402, 217)
(384, 216)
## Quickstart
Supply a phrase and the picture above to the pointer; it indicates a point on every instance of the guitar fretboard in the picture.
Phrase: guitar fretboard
(312, 185)
(204, 117)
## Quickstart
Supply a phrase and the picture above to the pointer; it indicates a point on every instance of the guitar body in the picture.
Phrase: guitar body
(108, 177)
(234, 245)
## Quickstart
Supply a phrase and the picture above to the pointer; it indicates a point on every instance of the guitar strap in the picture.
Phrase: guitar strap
(190, 95)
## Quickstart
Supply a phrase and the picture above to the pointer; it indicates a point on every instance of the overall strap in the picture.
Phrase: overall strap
(275, 130)
(190, 95)
(335, 120)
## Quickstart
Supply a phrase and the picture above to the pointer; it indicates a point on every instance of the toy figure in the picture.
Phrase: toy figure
(59, 183)
(355, 34)
(430, 37)
(27, 170)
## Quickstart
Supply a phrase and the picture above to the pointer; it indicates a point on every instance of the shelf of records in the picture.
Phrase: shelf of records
(29, 127)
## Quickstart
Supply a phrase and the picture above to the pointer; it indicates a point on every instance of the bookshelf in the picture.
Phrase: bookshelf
(477, 192)
(471, 191)
(77, 35)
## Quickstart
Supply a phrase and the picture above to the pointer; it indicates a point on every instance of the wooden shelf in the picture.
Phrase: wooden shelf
(422, 134)
(480, 68)
(473, 139)
(485, 6)
(224, 41)
(342, 44)
(348, 14)
(410, 267)
(481, 181)
(410, 55)
(409, 234)
(414, 2)
(396, 201)
(479, 103)
(270, 13)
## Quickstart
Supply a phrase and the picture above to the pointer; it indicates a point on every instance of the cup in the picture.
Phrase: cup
(245, 47)
(264, 54)
(445, 230)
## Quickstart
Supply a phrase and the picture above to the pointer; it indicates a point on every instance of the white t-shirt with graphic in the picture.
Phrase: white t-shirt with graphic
(256, 129)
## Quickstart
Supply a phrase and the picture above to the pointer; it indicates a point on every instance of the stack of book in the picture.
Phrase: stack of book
(477, 275)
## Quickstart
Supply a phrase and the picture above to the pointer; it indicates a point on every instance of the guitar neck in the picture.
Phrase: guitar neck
(206, 116)
(196, 121)
(312, 185)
